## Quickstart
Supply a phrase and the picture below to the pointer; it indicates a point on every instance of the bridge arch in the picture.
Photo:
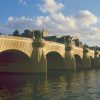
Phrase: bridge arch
(54, 61)
(78, 61)
(12, 57)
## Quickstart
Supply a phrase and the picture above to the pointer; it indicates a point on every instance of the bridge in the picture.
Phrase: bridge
(42, 55)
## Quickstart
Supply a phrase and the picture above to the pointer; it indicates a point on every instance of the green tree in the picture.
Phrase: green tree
(16, 33)
(1, 34)
(27, 33)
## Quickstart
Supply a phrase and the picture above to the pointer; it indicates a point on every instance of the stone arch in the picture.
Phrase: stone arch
(78, 61)
(12, 57)
(54, 61)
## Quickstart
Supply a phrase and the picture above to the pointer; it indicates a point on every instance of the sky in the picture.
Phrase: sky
(79, 18)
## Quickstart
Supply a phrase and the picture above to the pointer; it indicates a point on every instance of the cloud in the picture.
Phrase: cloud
(51, 6)
(23, 2)
(85, 18)
(10, 18)
(20, 23)
(57, 23)
(83, 23)
(70, 24)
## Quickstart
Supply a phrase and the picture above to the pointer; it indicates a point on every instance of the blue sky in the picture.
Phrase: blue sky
(74, 17)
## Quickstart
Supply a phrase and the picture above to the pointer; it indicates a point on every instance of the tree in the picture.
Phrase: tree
(1, 34)
(27, 33)
(16, 33)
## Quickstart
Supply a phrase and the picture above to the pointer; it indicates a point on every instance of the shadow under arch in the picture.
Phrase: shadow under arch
(12, 57)
(78, 61)
(54, 61)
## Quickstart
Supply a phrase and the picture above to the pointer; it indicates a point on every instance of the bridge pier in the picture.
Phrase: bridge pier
(86, 59)
(38, 58)
(69, 59)
(39, 61)
(96, 59)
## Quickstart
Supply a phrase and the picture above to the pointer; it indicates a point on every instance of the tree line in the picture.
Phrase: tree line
(27, 33)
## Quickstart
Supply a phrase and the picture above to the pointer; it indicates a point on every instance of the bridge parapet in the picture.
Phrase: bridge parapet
(15, 37)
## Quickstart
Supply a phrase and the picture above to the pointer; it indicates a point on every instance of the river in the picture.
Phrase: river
(57, 85)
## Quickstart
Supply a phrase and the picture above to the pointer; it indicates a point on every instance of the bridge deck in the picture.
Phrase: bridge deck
(15, 38)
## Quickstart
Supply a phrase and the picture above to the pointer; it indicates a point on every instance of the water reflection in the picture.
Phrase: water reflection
(83, 85)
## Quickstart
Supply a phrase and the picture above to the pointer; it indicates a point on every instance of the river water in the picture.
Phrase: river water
(81, 85)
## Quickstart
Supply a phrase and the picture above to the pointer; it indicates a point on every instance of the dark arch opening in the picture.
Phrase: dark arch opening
(78, 61)
(13, 58)
(54, 61)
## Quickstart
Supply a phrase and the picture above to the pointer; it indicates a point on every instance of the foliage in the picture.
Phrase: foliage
(27, 33)
(1, 34)
(16, 33)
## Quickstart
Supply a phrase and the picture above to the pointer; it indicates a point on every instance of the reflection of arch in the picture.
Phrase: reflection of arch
(78, 61)
(13, 57)
(92, 62)
(54, 61)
